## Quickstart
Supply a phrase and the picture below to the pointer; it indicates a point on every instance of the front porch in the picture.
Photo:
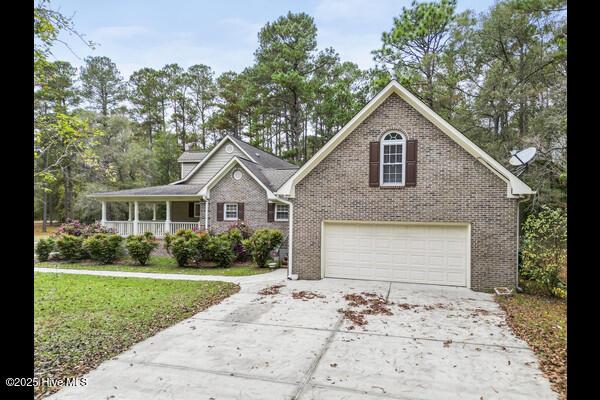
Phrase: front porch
(191, 214)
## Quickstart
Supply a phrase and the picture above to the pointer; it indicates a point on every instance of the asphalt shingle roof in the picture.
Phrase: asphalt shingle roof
(192, 156)
(156, 190)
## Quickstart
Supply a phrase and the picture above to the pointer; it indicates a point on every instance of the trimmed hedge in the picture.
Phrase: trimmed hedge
(104, 247)
(261, 243)
(139, 247)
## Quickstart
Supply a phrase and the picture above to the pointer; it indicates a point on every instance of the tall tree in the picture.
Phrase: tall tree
(203, 93)
(102, 84)
(413, 48)
(285, 61)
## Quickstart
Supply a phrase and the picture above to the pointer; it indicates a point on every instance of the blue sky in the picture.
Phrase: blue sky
(222, 33)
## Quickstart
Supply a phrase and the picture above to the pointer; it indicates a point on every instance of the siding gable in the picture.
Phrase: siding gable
(214, 164)
(186, 167)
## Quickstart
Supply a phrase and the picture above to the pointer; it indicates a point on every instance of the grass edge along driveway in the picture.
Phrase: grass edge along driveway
(81, 321)
(161, 265)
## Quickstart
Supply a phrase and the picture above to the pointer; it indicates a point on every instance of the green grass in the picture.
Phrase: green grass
(82, 320)
(163, 265)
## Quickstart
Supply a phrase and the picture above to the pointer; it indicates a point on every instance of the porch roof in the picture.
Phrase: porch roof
(153, 191)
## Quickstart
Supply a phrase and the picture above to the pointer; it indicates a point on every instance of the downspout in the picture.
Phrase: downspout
(290, 234)
(206, 214)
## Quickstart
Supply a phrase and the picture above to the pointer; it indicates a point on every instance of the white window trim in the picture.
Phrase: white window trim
(197, 203)
(282, 219)
(237, 212)
(382, 143)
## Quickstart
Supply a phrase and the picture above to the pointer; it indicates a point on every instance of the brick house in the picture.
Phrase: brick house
(397, 194)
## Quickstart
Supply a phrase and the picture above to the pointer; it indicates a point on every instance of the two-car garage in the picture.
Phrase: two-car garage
(411, 252)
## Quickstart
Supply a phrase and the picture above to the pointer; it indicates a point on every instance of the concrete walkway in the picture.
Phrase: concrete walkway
(276, 275)
(439, 343)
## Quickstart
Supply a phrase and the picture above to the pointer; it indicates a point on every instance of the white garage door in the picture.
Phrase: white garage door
(432, 254)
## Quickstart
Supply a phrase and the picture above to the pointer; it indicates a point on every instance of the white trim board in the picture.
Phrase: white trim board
(516, 188)
(209, 155)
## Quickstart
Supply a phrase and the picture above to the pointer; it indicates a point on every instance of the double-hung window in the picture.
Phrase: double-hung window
(230, 211)
(196, 209)
(393, 154)
(282, 212)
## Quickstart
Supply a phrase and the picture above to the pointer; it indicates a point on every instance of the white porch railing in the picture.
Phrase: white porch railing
(157, 228)
(123, 228)
(175, 226)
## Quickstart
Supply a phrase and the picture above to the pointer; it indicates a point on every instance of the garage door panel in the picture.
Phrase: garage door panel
(405, 253)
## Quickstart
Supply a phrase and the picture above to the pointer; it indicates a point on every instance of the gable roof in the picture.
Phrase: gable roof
(192, 156)
(252, 171)
(515, 187)
(262, 158)
(250, 152)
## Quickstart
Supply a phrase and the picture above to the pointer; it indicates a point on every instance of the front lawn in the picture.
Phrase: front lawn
(80, 321)
(163, 265)
(542, 322)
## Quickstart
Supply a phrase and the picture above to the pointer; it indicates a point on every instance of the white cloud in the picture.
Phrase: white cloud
(119, 32)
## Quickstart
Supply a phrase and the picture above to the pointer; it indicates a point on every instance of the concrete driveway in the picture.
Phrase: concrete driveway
(440, 343)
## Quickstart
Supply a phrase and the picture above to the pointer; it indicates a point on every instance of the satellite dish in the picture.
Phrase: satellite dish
(523, 157)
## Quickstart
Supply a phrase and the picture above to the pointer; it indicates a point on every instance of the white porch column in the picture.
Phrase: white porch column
(130, 217)
(153, 211)
(168, 217)
(206, 215)
(136, 217)
(103, 212)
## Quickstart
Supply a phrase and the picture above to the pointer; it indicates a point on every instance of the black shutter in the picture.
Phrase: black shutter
(270, 212)
(411, 163)
(191, 209)
(219, 211)
(241, 211)
(374, 164)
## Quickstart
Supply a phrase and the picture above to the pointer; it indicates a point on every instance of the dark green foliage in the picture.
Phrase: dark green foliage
(139, 247)
(43, 248)
(70, 247)
(187, 246)
(104, 247)
(544, 250)
(219, 249)
(261, 243)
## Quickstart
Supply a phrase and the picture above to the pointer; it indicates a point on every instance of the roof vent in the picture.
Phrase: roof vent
(257, 155)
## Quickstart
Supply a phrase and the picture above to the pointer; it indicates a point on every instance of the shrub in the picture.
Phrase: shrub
(44, 248)
(261, 243)
(70, 247)
(236, 238)
(219, 249)
(187, 246)
(76, 228)
(241, 226)
(544, 250)
(139, 247)
(103, 247)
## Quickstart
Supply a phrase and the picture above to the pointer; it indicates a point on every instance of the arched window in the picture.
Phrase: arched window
(393, 155)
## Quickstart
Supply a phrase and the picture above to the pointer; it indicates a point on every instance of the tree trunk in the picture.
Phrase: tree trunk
(68, 203)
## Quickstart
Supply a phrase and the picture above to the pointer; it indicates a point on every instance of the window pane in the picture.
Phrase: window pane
(231, 211)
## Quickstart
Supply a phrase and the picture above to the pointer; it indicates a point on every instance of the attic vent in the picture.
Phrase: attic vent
(257, 155)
